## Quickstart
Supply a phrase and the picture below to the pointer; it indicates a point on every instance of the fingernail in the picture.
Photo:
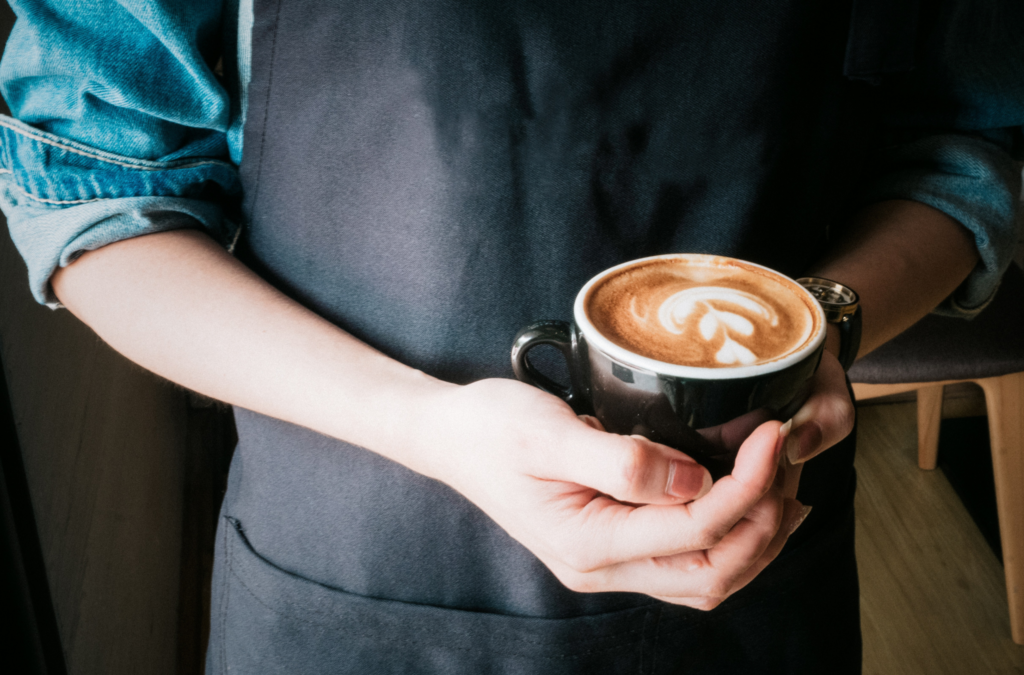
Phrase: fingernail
(687, 484)
(792, 450)
(803, 442)
(706, 485)
(781, 442)
(804, 512)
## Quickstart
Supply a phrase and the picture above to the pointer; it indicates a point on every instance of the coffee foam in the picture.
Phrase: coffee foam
(702, 311)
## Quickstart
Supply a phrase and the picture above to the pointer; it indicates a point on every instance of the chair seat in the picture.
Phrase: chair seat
(939, 348)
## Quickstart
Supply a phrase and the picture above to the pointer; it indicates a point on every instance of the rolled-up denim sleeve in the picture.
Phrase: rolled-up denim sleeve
(119, 128)
(955, 139)
(972, 180)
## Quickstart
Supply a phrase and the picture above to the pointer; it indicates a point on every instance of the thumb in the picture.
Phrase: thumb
(632, 469)
(827, 416)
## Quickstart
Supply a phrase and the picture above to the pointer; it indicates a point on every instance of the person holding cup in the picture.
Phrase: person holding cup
(673, 346)
(421, 180)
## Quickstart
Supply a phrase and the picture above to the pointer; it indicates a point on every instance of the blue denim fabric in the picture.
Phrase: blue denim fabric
(124, 127)
(126, 130)
(970, 179)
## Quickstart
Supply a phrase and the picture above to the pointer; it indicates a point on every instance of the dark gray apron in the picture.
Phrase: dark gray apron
(431, 175)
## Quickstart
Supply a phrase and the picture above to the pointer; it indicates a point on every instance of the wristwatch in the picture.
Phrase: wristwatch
(842, 307)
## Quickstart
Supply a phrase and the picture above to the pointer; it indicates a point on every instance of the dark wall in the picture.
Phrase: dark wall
(124, 473)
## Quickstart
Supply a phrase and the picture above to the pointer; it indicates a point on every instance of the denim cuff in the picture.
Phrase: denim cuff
(973, 181)
(63, 198)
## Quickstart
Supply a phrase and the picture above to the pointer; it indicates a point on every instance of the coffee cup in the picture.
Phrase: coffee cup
(670, 345)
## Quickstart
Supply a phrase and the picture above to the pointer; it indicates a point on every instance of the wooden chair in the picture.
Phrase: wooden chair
(989, 351)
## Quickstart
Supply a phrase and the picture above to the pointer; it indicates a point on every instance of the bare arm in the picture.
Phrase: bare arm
(178, 305)
(903, 258)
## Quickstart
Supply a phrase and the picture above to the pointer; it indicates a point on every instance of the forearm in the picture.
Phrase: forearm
(179, 305)
(903, 258)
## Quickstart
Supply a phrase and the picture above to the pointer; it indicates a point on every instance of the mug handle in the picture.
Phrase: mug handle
(561, 336)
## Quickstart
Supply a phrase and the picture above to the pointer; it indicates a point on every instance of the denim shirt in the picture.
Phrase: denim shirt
(124, 126)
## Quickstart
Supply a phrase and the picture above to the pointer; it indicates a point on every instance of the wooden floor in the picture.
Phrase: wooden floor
(932, 592)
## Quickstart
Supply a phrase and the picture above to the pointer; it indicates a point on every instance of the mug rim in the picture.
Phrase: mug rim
(634, 360)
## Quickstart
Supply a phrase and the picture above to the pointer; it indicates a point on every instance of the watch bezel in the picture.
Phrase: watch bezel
(834, 312)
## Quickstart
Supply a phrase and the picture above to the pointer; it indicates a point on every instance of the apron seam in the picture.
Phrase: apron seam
(224, 601)
(404, 640)
(266, 108)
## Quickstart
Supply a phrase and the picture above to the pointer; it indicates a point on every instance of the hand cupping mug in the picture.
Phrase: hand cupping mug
(667, 345)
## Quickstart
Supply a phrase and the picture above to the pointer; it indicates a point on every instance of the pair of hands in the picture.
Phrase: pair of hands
(614, 513)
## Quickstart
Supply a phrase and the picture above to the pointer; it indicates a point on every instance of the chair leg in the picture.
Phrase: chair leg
(929, 419)
(1005, 402)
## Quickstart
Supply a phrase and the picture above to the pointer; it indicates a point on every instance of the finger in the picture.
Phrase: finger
(826, 417)
(794, 516)
(605, 532)
(592, 422)
(631, 469)
(749, 539)
(753, 474)
(791, 478)
(732, 434)
(787, 478)
(709, 574)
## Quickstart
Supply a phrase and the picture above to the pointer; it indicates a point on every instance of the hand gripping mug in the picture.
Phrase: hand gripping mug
(669, 345)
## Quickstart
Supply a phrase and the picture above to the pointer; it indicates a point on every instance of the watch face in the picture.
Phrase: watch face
(831, 295)
(829, 292)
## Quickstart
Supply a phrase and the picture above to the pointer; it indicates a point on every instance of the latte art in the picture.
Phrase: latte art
(702, 311)
(722, 311)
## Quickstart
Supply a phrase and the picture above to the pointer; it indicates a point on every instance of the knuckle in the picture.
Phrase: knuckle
(770, 511)
(718, 589)
(847, 418)
(633, 467)
(840, 412)
(705, 540)
(577, 582)
(709, 538)
(580, 560)
(706, 604)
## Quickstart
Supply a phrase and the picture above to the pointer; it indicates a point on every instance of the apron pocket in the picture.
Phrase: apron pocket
(267, 620)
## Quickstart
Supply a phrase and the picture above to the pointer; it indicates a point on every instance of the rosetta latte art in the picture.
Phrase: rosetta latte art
(723, 312)
(703, 312)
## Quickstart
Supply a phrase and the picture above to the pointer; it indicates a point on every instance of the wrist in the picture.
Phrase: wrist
(380, 405)
(415, 411)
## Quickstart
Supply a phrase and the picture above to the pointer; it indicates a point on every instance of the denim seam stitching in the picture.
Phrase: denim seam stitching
(234, 240)
(128, 165)
(51, 201)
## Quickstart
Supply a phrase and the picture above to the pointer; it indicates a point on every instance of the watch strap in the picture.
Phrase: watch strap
(849, 338)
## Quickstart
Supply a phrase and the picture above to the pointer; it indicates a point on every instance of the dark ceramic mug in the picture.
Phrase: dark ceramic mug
(665, 402)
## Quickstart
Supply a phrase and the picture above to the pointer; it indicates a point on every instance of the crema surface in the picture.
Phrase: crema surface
(714, 314)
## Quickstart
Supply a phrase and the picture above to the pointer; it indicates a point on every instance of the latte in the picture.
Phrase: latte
(702, 311)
